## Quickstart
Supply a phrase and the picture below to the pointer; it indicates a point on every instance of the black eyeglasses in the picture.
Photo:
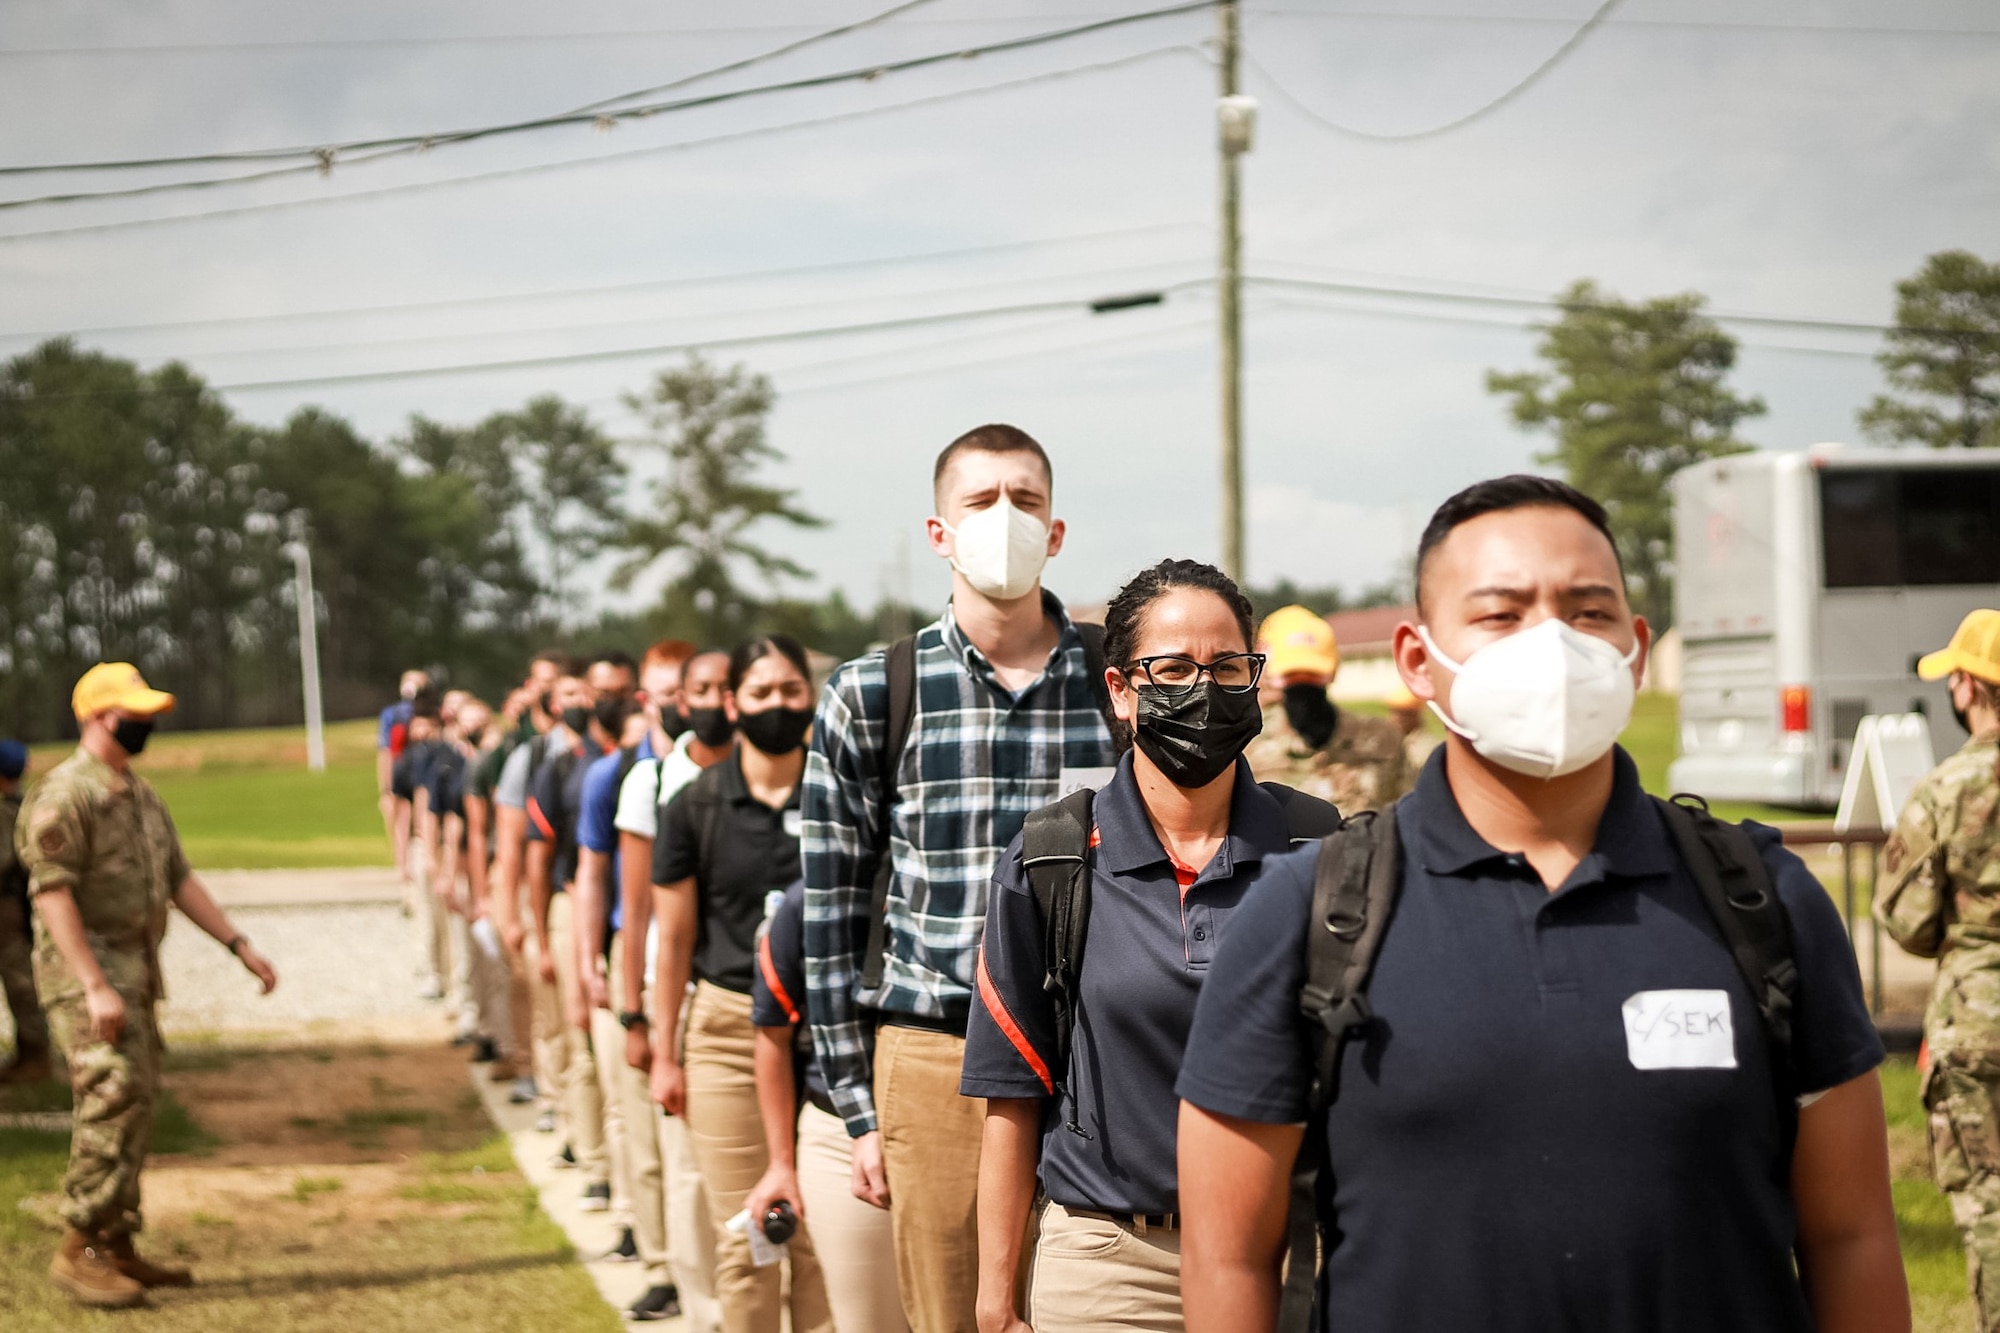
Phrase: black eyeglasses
(1234, 673)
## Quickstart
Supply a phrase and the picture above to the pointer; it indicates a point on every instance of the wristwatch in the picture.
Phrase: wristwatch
(631, 1018)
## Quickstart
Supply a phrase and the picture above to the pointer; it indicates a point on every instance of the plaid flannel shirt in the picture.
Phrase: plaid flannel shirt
(979, 760)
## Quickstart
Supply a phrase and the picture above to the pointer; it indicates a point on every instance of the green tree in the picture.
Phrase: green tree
(571, 487)
(709, 424)
(1944, 354)
(1632, 393)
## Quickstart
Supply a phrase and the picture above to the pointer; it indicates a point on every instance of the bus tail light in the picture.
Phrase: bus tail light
(1795, 707)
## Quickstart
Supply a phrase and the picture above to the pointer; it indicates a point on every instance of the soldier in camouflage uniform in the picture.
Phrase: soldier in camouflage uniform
(104, 864)
(1336, 754)
(17, 975)
(1940, 898)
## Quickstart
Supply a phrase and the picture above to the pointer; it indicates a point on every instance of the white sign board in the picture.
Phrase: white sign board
(1891, 755)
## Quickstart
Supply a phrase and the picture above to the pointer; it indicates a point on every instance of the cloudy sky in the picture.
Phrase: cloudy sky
(1790, 159)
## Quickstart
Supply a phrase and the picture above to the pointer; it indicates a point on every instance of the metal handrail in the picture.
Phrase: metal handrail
(1824, 834)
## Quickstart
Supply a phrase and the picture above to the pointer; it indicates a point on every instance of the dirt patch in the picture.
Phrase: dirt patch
(333, 1105)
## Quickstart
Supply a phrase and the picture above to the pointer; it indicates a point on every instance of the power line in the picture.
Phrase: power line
(1534, 76)
(495, 39)
(1694, 25)
(322, 157)
(748, 61)
(619, 288)
(568, 164)
(1094, 276)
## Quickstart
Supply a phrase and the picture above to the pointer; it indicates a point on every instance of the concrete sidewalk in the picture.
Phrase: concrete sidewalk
(560, 1192)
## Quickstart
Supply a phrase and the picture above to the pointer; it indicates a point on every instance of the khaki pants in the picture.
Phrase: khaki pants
(492, 988)
(1090, 1274)
(583, 1106)
(607, 1045)
(930, 1152)
(855, 1241)
(727, 1132)
(430, 916)
(689, 1230)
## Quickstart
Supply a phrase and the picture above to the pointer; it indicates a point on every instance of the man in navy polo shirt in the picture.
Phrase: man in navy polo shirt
(1532, 1134)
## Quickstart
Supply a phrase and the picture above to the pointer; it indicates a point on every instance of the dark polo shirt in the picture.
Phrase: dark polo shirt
(1153, 931)
(778, 992)
(755, 852)
(1507, 1152)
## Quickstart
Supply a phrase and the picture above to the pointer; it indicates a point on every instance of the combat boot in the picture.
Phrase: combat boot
(83, 1271)
(127, 1261)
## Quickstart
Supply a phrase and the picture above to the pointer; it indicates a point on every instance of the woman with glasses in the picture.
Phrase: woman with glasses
(1178, 836)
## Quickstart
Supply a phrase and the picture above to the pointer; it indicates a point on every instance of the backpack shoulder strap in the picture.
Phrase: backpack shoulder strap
(1055, 850)
(1093, 661)
(1356, 879)
(1736, 887)
(1355, 884)
(901, 667)
(628, 759)
(705, 818)
(1307, 817)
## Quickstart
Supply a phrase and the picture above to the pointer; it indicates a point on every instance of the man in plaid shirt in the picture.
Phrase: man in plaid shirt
(1004, 705)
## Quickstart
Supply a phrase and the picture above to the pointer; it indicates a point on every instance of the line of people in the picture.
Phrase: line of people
(916, 979)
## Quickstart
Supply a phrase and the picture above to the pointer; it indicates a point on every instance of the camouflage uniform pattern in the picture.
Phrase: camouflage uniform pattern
(1361, 767)
(1941, 899)
(107, 838)
(17, 971)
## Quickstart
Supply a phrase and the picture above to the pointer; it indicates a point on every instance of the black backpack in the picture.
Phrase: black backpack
(1356, 882)
(902, 715)
(1055, 851)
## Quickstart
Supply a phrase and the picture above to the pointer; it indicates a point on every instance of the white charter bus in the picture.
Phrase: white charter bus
(1808, 584)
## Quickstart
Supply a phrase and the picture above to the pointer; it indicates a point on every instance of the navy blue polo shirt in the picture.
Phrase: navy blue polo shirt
(1154, 927)
(778, 992)
(555, 802)
(1506, 1152)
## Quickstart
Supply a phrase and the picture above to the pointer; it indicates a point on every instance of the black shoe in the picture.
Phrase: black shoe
(625, 1251)
(596, 1198)
(657, 1303)
(485, 1052)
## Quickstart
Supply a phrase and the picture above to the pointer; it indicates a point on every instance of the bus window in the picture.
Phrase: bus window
(1884, 528)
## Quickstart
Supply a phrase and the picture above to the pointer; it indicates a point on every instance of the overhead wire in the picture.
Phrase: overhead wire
(1549, 21)
(623, 288)
(747, 62)
(601, 159)
(1533, 77)
(324, 156)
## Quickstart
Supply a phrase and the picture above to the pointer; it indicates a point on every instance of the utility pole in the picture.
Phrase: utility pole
(309, 658)
(1235, 116)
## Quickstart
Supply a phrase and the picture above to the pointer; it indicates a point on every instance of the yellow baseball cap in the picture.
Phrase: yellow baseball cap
(117, 685)
(1297, 641)
(1974, 649)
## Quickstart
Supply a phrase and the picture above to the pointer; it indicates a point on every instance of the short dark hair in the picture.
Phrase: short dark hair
(1126, 614)
(753, 651)
(559, 658)
(616, 658)
(1499, 494)
(426, 705)
(992, 438)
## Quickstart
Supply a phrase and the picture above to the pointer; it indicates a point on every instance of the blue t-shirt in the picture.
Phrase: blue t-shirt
(594, 829)
(1506, 1151)
(397, 714)
(1152, 937)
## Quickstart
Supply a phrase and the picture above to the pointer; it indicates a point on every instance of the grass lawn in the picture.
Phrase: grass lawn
(326, 1191)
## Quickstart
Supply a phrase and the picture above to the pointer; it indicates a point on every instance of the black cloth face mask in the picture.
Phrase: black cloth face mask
(672, 723)
(132, 733)
(577, 718)
(1196, 738)
(711, 726)
(612, 712)
(776, 731)
(1311, 713)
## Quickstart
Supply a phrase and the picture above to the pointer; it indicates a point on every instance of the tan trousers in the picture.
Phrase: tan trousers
(430, 915)
(930, 1152)
(855, 1241)
(492, 988)
(582, 1104)
(1091, 1275)
(690, 1232)
(727, 1132)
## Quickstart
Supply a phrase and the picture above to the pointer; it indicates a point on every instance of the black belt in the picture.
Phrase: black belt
(1136, 1223)
(950, 1027)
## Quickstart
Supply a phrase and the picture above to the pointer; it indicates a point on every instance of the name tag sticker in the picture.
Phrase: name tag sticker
(793, 823)
(1680, 1029)
(1076, 779)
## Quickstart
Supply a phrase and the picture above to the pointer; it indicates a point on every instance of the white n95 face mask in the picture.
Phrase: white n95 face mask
(1545, 701)
(1000, 550)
